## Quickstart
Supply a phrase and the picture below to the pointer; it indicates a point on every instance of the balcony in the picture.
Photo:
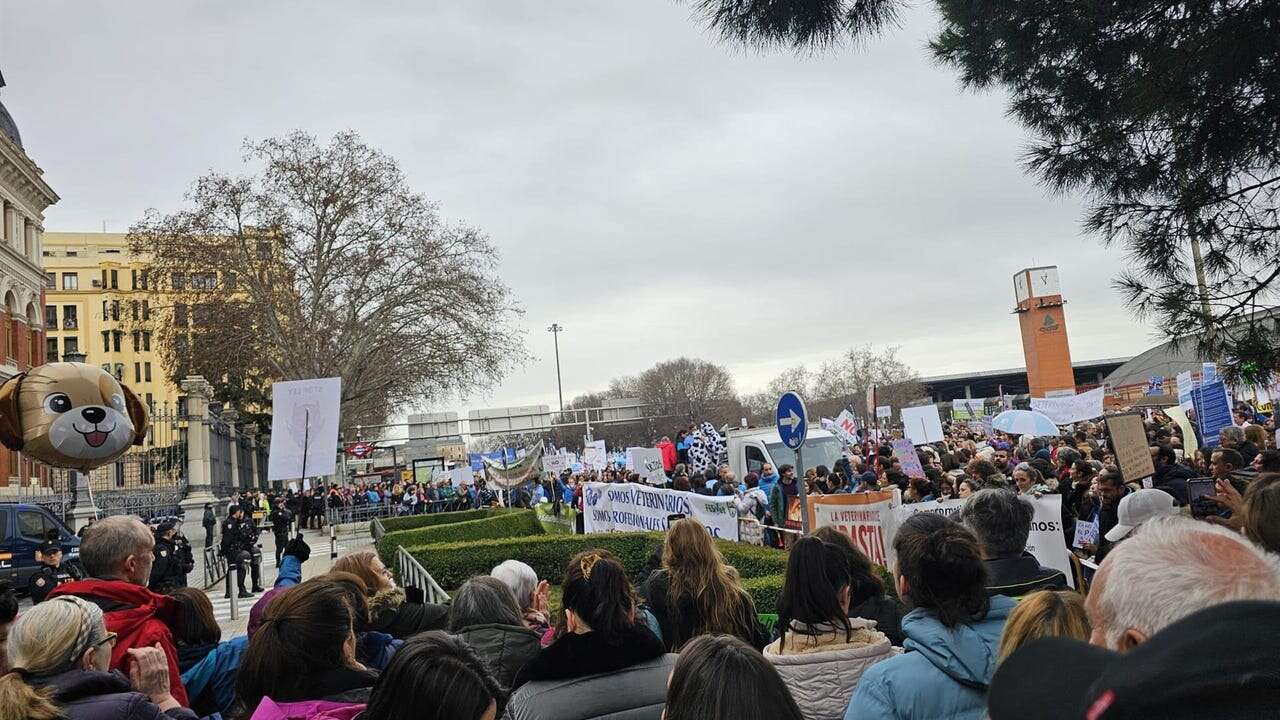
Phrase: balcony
(70, 324)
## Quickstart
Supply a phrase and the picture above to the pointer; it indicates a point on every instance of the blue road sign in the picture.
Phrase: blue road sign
(793, 423)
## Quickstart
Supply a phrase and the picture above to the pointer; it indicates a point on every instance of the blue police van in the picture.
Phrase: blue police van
(23, 528)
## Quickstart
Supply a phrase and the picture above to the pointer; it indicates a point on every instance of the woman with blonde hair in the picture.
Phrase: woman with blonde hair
(1045, 613)
(59, 654)
(696, 593)
(390, 609)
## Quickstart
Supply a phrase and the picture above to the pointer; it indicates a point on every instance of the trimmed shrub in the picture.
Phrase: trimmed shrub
(451, 564)
(511, 525)
(410, 522)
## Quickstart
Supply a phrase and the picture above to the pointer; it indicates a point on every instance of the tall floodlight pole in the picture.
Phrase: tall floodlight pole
(555, 331)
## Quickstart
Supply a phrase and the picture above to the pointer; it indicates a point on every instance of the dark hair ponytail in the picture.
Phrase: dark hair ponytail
(434, 676)
(864, 584)
(810, 595)
(597, 590)
(942, 564)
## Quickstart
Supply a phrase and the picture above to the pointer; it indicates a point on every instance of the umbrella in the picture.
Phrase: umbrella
(1024, 422)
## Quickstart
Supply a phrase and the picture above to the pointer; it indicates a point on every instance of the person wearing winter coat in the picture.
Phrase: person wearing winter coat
(953, 634)
(59, 655)
(821, 652)
(208, 522)
(604, 662)
(117, 555)
(867, 598)
(669, 455)
(485, 616)
(390, 609)
(435, 675)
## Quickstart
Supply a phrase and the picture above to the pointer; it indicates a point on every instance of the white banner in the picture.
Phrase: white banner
(594, 456)
(873, 527)
(922, 424)
(647, 462)
(1067, 410)
(631, 507)
(555, 463)
(1185, 386)
(884, 411)
(845, 427)
(304, 428)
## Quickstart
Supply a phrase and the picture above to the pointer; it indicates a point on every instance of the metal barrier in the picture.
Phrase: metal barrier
(358, 513)
(412, 574)
(215, 567)
(376, 531)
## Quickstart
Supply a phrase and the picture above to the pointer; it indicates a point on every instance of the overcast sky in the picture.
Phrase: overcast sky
(654, 191)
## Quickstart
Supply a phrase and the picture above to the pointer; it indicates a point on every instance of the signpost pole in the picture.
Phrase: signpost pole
(793, 430)
(306, 438)
(804, 502)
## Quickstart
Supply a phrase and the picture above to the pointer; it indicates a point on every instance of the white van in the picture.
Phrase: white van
(751, 448)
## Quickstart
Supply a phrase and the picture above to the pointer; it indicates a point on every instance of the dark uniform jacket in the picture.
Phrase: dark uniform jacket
(45, 580)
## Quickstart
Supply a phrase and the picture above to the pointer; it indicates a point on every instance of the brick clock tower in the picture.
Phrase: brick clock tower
(1044, 332)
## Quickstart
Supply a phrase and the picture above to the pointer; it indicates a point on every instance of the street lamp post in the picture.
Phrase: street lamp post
(555, 331)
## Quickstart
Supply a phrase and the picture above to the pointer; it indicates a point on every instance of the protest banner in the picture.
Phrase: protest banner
(304, 428)
(867, 519)
(1208, 373)
(908, 458)
(884, 412)
(1213, 411)
(594, 455)
(1185, 385)
(1129, 442)
(457, 477)
(922, 425)
(553, 524)
(1071, 409)
(965, 409)
(1179, 416)
(555, 463)
(845, 427)
(1086, 534)
(647, 462)
(631, 507)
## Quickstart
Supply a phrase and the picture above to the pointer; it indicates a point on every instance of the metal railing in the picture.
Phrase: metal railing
(376, 531)
(412, 574)
(359, 513)
(215, 567)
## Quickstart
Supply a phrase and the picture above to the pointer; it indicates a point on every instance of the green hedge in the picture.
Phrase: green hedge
(410, 522)
(511, 525)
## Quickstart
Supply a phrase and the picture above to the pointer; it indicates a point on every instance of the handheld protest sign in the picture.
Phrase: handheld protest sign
(70, 415)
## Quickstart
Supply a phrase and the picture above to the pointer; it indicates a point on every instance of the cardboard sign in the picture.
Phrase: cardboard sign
(647, 462)
(1185, 386)
(884, 412)
(555, 463)
(1086, 534)
(922, 425)
(908, 458)
(304, 428)
(594, 456)
(1129, 441)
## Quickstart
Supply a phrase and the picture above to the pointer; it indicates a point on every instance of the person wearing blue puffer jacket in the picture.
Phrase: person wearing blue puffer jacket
(211, 683)
(953, 632)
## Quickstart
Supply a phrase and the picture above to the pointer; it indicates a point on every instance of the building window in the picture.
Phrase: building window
(146, 341)
(104, 277)
(70, 345)
(119, 372)
(151, 404)
(144, 277)
(51, 317)
(133, 279)
(51, 349)
(104, 310)
(146, 371)
(137, 372)
(180, 315)
(115, 338)
(50, 280)
(69, 319)
(204, 281)
(73, 253)
(70, 281)
(137, 337)
(146, 310)
(115, 310)
(115, 279)
(179, 281)
(133, 310)
(230, 279)
(201, 315)
(106, 343)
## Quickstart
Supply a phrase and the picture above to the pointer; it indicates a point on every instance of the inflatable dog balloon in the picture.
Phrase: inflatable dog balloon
(70, 415)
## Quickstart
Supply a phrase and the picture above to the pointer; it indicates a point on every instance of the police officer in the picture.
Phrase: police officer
(208, 522)
(238, 547)
(50, 575)
(172, 559)
(281, 520)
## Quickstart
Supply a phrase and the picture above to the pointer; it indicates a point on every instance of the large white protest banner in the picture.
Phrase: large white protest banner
(457, 477)
(304, 428)
(845, 427)
(1073, 409)
(631, 507)
(647, 462)
(922, 425)
(873, 519)
(594, 455)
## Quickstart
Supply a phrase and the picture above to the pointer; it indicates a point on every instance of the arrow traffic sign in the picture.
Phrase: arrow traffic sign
(793, 424)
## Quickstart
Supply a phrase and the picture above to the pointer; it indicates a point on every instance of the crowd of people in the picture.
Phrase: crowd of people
(972, 626)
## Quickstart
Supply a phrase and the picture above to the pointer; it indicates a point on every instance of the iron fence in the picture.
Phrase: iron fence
(244, 463)
(221, 447)
(149, 480)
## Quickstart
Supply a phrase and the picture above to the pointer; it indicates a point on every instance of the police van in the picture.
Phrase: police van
(23, 528)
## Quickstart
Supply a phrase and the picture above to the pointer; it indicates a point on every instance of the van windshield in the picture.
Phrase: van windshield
(817, 451)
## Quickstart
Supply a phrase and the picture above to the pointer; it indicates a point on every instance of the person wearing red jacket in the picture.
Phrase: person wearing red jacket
(668, 453)
(116, 553)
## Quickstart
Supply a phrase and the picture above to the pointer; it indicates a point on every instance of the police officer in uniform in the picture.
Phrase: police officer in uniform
(50, 575)
(239, 540)
(172, 559)
(281, 521)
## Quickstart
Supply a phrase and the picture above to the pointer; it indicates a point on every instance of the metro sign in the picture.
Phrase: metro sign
(360, 450)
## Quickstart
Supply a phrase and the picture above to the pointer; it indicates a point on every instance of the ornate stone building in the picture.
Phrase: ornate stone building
(24, 195)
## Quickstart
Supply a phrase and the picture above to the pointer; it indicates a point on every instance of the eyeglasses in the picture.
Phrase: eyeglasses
(110, 638)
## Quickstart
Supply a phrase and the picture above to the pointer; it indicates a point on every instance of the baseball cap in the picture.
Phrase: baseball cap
(49, 547)
(1218, 663)
(1138, 507)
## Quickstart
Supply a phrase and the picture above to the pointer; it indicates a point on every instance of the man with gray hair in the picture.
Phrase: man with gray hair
(1232, 437)
(1171, 568)
(1002, 523)
(116, 553)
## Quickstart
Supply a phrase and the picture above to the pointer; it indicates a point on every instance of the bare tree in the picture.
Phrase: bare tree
(687, 384)
(761, 405)
(843, 383)
(322, 263)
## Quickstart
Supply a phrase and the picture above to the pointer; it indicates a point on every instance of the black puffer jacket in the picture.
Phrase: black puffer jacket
(507, 648)
(394, 615)
(94, 695)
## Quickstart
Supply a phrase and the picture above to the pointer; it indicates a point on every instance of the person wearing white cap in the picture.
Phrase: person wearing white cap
(1139, 507)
